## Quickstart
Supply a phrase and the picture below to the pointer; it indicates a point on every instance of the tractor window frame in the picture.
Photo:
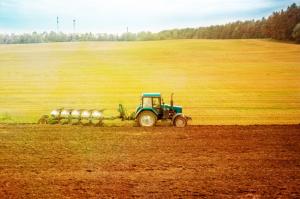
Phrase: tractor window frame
(159, 102)
(152, 104)
(143, 104)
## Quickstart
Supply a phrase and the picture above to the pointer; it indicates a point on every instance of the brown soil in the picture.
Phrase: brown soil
(39, 161)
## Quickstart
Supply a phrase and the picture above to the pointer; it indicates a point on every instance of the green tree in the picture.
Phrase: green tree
(296, 33)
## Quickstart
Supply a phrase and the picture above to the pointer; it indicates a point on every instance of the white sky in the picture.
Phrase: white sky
(114, 16)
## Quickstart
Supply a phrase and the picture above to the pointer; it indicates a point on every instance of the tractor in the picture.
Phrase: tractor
(153, 108)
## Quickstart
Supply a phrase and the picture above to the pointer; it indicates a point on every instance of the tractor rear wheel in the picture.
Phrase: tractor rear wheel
(147, 119)
(180, 121)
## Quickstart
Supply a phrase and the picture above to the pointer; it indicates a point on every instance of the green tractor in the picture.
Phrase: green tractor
(153, 108)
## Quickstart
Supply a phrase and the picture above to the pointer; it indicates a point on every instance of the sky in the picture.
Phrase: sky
(114, 16)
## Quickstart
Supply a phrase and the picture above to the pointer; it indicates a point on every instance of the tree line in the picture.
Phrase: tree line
(281, 25)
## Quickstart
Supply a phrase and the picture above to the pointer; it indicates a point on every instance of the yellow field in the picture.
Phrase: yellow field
(216, 81)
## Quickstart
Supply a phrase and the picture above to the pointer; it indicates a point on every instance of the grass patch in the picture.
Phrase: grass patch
(5, 117)
(216, 81)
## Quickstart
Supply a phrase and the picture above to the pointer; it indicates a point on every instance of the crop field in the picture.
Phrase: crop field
(44, 161)
(216, 81)
(237, 82)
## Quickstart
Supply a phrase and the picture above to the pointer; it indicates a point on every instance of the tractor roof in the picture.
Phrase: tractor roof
(151, 95)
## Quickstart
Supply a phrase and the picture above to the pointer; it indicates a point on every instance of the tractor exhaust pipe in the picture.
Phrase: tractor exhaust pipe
(172, 102)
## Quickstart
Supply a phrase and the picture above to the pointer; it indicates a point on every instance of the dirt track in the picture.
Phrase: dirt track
(199, 161)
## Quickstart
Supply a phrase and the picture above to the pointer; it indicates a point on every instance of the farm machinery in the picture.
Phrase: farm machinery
(151, 109)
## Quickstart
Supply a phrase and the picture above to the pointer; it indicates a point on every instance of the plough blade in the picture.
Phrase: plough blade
(82, 116)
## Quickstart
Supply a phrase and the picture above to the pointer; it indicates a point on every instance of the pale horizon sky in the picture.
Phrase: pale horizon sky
(138, 15)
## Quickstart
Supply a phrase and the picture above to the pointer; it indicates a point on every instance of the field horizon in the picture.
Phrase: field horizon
(216, 81)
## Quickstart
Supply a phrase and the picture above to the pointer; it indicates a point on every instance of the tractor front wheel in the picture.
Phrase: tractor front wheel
(147, 119)
(180, 121)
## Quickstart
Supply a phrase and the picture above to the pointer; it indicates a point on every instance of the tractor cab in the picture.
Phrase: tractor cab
(153, 108)
(152, 101)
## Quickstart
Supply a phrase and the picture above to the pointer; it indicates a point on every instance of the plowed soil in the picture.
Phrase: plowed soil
(39, 161)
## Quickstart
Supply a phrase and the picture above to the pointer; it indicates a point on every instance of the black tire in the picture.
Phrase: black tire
(180, 121)
(147, 119)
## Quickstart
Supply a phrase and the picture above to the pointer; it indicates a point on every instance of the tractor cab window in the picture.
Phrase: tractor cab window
(156, 102)
(147, 102)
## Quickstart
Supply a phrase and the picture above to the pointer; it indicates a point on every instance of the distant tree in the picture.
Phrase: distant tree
(296, 33)
(282, 25)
